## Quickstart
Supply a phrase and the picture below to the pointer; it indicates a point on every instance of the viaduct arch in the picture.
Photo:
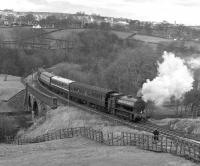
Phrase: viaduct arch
(38, 102)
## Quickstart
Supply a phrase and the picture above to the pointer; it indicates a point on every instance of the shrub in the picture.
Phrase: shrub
(8, 126)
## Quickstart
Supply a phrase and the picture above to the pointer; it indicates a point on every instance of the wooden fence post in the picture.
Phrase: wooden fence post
(181, 147)
(130, 138)
(122, 138)
(100, 136)
(194, 151)
(72, 132)
(143, 140)
(135, 143)
(60, 133)
(189, 150)
(92, 134)
(171, 146)
(161, 145)
(47, 136)
(147, 142)
(112, 138)
(166, 145)
(177, 145)
(184, 148)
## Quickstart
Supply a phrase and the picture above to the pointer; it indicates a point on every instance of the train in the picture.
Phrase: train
(101, 99)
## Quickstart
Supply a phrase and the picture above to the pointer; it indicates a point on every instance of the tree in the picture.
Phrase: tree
(51, 20)
(9, 61)
(105, 26)
(131, 69)
(179, 31)
(21, 20)
(147, 28)
(10, 18)
(135, 25)
(192, 101)
(30, 19)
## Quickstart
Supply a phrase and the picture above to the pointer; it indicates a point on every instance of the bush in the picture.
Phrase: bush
(8, 126)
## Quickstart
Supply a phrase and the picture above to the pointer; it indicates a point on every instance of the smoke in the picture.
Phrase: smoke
(194, 63)
(173, 80)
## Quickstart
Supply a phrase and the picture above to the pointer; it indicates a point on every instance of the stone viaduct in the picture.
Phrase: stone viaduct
(38, 102)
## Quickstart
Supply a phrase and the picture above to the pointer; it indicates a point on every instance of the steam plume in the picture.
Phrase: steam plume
(173, 79)
(194, 63)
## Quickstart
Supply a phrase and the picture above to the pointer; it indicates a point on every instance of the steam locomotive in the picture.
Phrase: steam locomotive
(106, 100)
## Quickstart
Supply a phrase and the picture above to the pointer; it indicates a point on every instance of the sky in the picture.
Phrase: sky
(182, 11)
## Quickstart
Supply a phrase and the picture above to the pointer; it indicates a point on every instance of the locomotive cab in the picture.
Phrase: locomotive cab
(131, 108)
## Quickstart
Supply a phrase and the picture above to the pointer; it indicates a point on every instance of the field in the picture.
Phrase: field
(6, 34)
(151, 39)
(10, 87)
(65, 33)
(83, 152)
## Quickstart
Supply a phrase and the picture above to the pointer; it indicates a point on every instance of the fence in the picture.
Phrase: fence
(164, 144)
(90, 133)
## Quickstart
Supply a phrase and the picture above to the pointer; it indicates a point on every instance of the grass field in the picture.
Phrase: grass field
(6, 34)
(10, 87)
(83, 152)
(150, 39)
(65, 33)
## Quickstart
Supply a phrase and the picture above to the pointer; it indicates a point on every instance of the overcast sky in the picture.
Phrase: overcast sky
(181, 11)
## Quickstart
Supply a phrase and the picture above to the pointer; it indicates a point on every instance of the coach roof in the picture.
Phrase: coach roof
(90, 87)
(63, 80)
(47, 74)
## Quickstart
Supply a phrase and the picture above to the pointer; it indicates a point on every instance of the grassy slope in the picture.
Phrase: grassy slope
(67, 117)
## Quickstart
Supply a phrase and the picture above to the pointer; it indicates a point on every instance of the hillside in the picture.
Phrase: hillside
(11, 33)
(69, 117)
(80, 151)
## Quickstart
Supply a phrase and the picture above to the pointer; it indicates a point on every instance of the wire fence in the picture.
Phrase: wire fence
(147, 142)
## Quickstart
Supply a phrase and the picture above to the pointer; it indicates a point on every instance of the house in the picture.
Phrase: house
(36, 26)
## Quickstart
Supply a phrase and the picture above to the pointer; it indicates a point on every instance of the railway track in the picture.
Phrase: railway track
(145, 126)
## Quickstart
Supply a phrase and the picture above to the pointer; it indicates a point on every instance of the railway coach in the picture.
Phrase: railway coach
(60, 85)
(45, 77)
(91, 95)
(124, 106)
